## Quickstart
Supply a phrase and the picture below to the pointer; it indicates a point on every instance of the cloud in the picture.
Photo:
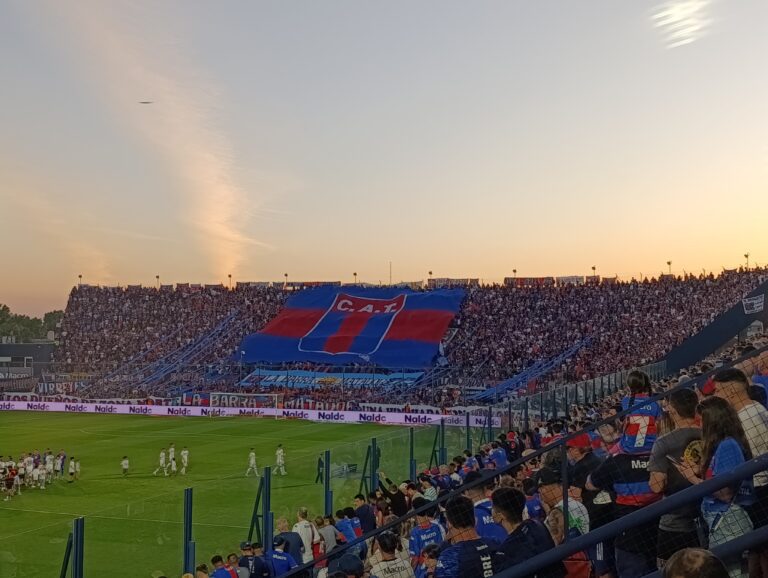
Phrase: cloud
(133, 65)
(682, 22)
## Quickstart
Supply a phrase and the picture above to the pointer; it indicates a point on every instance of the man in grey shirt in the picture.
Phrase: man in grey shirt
(677, 529)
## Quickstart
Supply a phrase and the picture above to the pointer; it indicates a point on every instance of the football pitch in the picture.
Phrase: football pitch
(133, 524)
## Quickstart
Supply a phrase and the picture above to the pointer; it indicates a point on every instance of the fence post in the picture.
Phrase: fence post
(509, 416)
(327, 483)
(255, 514)
(527, 423)
(187, 531)
(267, 530)
(374, 465)
(67, 556)
(489, 421)
(554, 404)
(78, 549)
(412, 455)
(443, 450)
(541, 406)
(467, 432)
(565, 403)
(566, 487)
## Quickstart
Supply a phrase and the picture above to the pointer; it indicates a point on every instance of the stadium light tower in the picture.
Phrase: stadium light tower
(746, 256)
(669, 264)
(157, 280)
(80, 279)
(286, 279)
(514, 272)
(355, 275)
(230, 280)
(594, 270)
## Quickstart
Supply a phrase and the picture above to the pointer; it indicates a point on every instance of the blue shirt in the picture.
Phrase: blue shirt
(423, 536)
(471, 558)
(345, 527)
(728, 456)
(534, 507)
(640, 430)
(485, 525)
(280, 562)
(499, 455)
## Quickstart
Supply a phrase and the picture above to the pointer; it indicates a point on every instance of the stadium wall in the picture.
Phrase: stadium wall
(721, 330)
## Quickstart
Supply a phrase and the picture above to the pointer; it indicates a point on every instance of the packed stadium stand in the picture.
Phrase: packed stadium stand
(156, 340)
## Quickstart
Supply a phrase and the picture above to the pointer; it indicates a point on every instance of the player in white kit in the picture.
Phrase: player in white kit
(280, 460)
(125, 465)
(171, 452)
(184, 460)
(49, 467)
(252, 464)
(162, 465)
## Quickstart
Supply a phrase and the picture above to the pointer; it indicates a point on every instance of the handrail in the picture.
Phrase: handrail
(641, 516)
(493, 473)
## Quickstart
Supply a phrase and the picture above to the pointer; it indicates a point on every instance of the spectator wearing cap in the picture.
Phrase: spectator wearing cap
(348, 565)
(484, 524)
(525, 538)
(677, 529)
(251, 558)
(551, 492)
(278, 560)
(468, 554)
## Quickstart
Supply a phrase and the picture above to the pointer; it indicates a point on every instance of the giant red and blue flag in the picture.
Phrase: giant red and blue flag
(393, 328)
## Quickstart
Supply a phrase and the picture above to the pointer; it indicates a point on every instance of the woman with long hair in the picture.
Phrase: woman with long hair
(725, 447)
(641, 423)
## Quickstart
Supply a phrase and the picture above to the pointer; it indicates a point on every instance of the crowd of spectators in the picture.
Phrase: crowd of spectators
(507, 328)
(499, 331)
(494, 520)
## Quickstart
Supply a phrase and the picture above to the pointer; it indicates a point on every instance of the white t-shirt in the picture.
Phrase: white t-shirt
(578, 517)
(252, 459)
(308, 535)
(397, 568)
(71, 467)
(124, 464)
(754, 420)
(162, 459)
(171, 453)
(184, 457)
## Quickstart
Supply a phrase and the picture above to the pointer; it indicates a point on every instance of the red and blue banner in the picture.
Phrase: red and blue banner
(394, 328)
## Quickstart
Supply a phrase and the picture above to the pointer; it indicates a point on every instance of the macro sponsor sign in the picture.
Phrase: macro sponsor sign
(305, 414)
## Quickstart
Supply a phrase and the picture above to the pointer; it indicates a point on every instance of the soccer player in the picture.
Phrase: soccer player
(71, 470)
(49, 466)
(77, 469)
(184, 460)
(280, 459)
(252, 464)
(125, 464)
(171, 452)
(162, 465)
(173, 466)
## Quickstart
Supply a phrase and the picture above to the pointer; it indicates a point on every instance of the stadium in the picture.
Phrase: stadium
(266, 400)
(341, 289)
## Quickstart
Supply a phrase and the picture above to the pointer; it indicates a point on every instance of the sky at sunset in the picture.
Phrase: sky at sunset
(327, 137)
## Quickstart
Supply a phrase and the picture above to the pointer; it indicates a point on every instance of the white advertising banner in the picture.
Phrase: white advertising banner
(307, 414)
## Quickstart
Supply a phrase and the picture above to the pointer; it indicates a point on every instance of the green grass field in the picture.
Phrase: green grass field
(133, 525)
